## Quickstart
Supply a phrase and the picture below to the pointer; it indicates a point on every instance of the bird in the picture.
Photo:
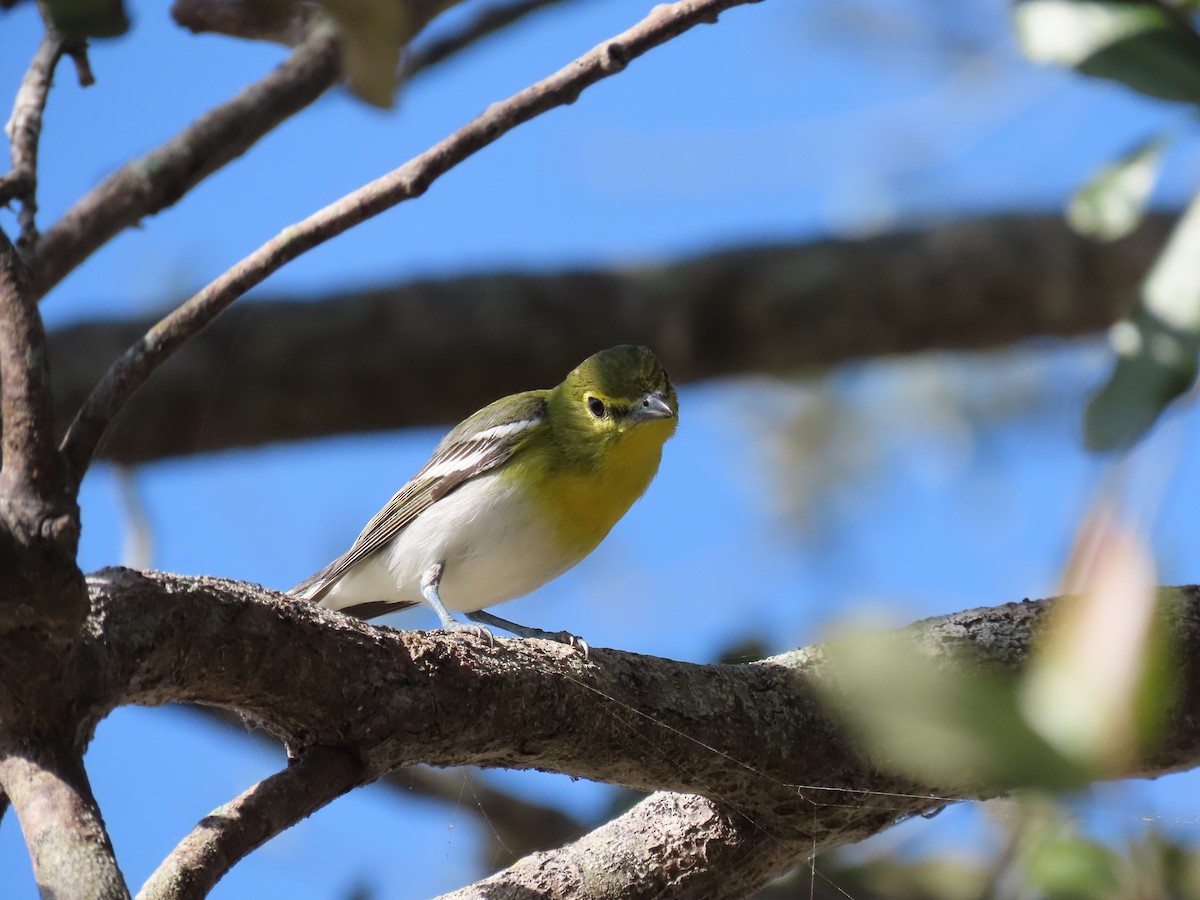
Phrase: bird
(512, 497)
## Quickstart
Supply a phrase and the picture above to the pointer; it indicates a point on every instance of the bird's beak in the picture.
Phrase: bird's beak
(653, 406)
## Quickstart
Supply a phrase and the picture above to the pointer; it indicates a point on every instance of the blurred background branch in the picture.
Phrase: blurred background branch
(277, 370)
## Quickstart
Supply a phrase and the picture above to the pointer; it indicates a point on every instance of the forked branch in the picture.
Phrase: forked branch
(157, 180)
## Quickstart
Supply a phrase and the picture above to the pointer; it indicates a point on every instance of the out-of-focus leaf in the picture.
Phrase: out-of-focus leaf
(1162, 62)
(1068, 32)
(1070, 866)
(1114, 201)
(943, 726)
(1130, 42)
(1157, 348)
(373, 33)
(1084, 688)
(79, 19)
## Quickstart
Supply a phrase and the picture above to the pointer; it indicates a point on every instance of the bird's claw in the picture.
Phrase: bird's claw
(480, 631)
(574, 641)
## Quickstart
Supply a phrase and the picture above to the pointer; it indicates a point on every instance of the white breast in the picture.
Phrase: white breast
(493, 546)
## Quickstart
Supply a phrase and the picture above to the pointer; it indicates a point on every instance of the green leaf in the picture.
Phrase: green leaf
(80, 19)
(1157, 348)
(1133, 43)
(1069, 866)
(951, 726)
(1161, 62)
(1113, 202)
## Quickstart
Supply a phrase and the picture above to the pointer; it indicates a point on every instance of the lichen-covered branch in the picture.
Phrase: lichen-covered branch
(264, 372)
(751, 741)
(411, 180)
(680, 846)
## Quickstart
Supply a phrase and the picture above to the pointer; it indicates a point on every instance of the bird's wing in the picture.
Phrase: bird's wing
(484, 441)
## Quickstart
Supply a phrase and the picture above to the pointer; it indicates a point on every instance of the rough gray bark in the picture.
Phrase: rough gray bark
(42, 604)
(737, 745)
(748, 741)
(60, 821)
(277, 370)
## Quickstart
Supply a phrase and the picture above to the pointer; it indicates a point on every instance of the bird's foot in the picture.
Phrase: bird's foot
(481, 631)
(574, 641)
(562, 637)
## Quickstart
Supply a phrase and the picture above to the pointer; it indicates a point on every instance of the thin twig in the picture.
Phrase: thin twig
(78, 51)
(157, 180)
(232, 831)
(135, 366)
(161, 178)
(24, 129)
(484, 24)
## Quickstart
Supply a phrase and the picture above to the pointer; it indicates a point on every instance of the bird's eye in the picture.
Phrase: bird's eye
(596, 407)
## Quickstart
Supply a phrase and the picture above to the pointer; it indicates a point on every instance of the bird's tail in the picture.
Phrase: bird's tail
(315, 589)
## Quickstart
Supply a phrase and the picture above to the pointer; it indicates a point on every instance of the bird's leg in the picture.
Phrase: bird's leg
(430, 582)
(563, 637)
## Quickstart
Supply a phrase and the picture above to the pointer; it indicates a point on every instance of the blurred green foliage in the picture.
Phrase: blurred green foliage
(1153, 48)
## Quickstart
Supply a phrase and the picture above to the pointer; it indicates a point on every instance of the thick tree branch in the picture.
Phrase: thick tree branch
(134, 367)
(40, 585)
(670, 845)
(264, 372)
(234, 830)
(71, 853)
(29, 463)
(160, 178)
(779, 775)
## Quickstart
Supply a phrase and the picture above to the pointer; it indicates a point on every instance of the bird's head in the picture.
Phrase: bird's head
(616, 393)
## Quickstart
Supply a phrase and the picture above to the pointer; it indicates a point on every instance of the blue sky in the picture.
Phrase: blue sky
(784, 121)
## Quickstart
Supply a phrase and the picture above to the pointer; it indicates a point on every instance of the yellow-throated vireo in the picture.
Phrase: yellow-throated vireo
(512, 497)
